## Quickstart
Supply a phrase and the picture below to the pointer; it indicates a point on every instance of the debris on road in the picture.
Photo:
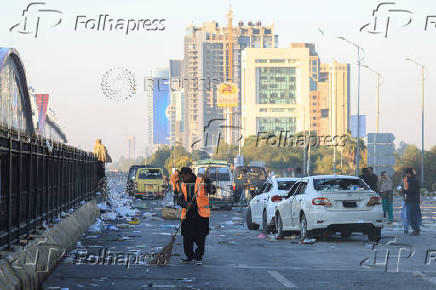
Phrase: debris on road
(306, 242)
(134, 221)
(261, 236)
(171, 213)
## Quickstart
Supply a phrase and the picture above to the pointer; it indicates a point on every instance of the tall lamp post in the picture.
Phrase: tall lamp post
(359, 61)
(379, 79)
(423, 68)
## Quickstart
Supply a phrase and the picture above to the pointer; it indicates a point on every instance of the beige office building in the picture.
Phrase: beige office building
(334, 99)
(212, 53)
(275, 89)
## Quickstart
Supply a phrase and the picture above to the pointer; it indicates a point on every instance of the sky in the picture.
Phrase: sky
(69, 64)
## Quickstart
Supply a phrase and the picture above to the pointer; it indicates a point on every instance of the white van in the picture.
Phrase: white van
(222, 178)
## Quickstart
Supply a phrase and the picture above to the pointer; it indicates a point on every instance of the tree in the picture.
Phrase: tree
(159, 158)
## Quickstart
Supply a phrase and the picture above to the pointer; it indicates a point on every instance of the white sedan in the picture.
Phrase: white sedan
(262, 208)
(335, 203)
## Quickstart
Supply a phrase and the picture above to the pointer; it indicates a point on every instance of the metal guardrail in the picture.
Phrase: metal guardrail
(38, 180)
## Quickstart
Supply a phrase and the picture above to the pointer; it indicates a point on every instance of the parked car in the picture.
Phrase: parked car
(330, 203)
(247, 177)
(221, 176)
(262, 208)
(131, 177)
(149, 183)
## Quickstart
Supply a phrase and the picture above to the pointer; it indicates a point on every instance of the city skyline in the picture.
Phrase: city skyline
(76, 95)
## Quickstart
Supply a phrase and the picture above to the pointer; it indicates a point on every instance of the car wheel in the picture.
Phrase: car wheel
(279, 226)
(248, 220)
(374, 235)
(265, 227)
(304, 233)
(228, 207)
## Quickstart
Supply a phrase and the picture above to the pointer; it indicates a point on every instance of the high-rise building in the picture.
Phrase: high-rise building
(333, 113)
(212, 55)
(131, 145)
(157, 90)
(275, 90)
(176, 108)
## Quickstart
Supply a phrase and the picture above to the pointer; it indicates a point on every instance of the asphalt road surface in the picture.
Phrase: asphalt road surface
(238, 258)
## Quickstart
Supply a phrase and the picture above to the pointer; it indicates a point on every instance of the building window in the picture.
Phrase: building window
(314, 103)
(261, 60)
(314, 69)
(324, 113)
(314, 63)
(277, 110)
(256, 31)
(271, 124)
(313, 85)
(276, 60)
(275, 85)
(263, 110)
(314, 97)
(314, 125)
(267, 31)
(314, 111)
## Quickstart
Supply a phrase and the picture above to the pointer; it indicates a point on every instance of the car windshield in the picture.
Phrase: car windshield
(334, 184)
(285, 185)
(150, 174)
(216, 173)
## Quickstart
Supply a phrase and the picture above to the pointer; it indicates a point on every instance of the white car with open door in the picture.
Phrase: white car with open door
(262, 208)
(335, 203)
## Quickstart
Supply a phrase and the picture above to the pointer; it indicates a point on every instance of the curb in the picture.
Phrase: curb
(28, 266)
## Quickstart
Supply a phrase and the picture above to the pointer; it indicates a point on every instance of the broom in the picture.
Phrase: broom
(164, 257)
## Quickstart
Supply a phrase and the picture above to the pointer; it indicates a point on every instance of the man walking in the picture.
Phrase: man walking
(194, 200)
(385, 189)
(412, 196)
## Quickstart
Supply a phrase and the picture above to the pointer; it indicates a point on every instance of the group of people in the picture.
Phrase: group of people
(409, 189)
(192, 194)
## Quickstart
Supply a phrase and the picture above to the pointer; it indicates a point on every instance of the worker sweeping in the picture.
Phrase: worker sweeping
(194, 200)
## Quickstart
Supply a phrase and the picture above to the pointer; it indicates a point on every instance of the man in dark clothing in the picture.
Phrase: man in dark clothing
(364, 175)
(372, 179)
(195, 227)
(412, 196)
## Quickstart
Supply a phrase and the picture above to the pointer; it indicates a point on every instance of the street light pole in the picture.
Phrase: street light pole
(359, 61)
(379, 77)
(423, 68)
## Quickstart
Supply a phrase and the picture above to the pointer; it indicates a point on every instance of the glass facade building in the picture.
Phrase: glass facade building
(275, 85)
(276, 124)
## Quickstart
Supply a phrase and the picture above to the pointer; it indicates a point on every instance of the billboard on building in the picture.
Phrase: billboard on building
(161, 101)
(42, 103)
(227, 95)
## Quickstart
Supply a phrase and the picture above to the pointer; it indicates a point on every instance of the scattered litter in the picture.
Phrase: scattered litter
(123, 226)
(291, 237)
(82, 202)
(134, 221)
(148, 214)
(140, 206)
(307, 242)
(79, 243)
(103, 207)
(236, 218)
(98, 193)
(229, 223)
(109, 216)
(112, 228)
(157, 249)
(261, 236)
(92, 237)
(124, 239)
(96, 228)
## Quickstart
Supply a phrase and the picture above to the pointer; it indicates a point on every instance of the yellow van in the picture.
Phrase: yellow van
(149, 183)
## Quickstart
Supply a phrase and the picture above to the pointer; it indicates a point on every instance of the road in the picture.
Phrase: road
(238, 258)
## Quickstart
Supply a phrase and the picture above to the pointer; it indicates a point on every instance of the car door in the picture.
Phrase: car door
(256, 203)
(285, 210)
(296, 204)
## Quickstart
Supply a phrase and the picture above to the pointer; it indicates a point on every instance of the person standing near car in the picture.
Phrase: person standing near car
(174, 181)
(372, 179)
(412, 196)
(194, 200)
(384, 187)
